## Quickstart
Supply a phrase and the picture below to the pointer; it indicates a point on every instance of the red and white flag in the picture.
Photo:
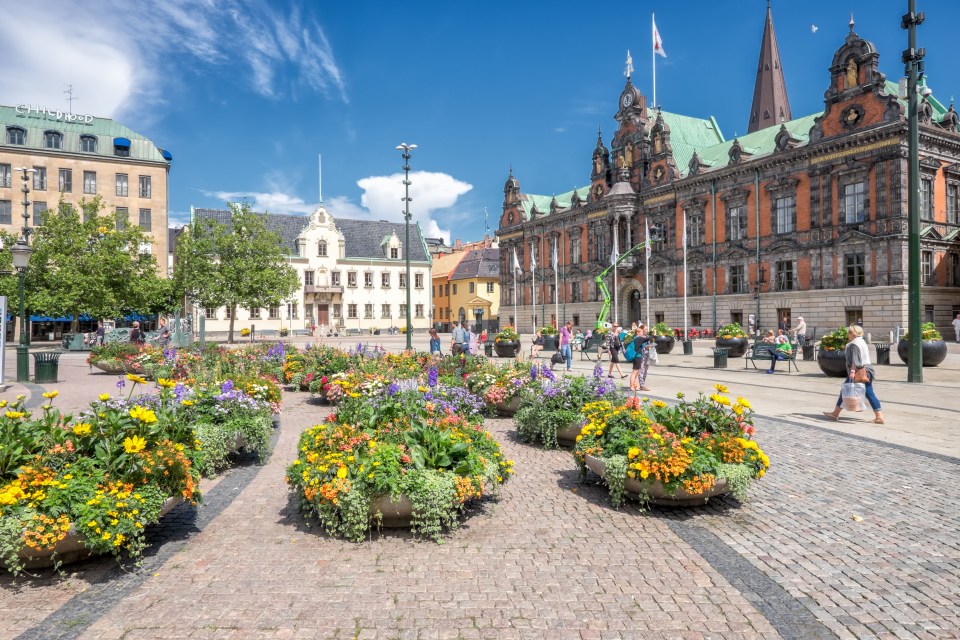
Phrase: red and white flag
(657, 42)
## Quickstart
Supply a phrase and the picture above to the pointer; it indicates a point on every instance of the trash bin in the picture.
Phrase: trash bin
(808, 351)
(488, 348)
(46, 367)
(883, 352)
(688, 348)
(720, 357)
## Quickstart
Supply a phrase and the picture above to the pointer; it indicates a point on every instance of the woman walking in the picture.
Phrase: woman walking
(858, 357)
(641, 361)
(614, 348)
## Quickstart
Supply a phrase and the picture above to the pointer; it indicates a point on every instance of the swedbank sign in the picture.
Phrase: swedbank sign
(30, 110)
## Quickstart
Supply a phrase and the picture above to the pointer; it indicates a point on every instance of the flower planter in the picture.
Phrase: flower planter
(657, 493)
(109, 367)
(934, 352)
(507, 348)
(567, 436)
(832, 363)
(550, 343)
(736, 347)
(665, 344)
(71, 548)
(507, 409)
(392, 514)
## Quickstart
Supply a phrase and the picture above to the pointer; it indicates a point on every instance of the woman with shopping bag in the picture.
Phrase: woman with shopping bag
(860, 371)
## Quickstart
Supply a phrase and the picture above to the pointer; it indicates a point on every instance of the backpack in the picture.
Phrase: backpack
(630, 352)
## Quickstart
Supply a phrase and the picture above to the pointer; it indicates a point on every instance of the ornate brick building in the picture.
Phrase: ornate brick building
(801, 216)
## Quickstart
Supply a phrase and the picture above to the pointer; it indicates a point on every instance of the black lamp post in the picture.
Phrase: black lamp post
(757, 288)
(913, 59)
(21, 259)
(407, 148)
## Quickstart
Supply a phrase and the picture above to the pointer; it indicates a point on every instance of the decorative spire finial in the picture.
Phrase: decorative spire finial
(629, 69)
(851, 22)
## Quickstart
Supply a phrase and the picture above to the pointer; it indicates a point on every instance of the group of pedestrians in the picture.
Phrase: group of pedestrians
(617, 343)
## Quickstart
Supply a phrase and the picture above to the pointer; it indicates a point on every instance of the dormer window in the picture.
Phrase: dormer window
(52, 140)
(394, 253)
(16, 135)
(88, 144)
(322, 249)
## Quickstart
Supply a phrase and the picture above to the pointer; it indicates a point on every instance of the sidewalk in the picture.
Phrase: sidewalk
(919, 416)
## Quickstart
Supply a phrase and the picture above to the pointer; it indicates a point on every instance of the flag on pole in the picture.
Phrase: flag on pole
(516, 262)
(657, 42)
(555, 260)
(646, 224)
(614, 254)
(683, 238)
(533, 258)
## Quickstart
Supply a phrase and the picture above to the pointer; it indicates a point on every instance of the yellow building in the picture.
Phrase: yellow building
(475, 287)
(81, 156)
(443, 265)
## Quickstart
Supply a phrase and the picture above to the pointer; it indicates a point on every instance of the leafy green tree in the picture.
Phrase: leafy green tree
(235, 264)
(89, 262)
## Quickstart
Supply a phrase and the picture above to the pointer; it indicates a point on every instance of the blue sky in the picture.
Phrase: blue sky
(247, 93)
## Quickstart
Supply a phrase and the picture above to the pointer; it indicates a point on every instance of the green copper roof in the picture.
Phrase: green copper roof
(105, 130)
(542, 203)
(758, 143)
(689, 134)
(893, 89)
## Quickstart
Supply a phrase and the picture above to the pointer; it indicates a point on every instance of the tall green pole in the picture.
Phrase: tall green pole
(407, 148)
(913, 58)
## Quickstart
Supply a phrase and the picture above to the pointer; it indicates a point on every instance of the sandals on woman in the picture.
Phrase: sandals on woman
(830, 415)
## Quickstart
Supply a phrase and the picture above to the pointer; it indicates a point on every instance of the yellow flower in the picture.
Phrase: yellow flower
(81, 428)
(104, 397)
(3, 403)
(659, 404)
(722, 388)
(166, 383)
(14, 415)
(134, 444)
(743, 403)
(51, 394)
(187, 403)
(135, 378)
(144, 415)
(342, 472)
(633, 453)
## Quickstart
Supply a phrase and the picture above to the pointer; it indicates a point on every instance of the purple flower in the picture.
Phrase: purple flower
(598, 371)
(393, 389)
(121, 383)
(533, 372)
(546, 372)
(432, 376)
(226, 387)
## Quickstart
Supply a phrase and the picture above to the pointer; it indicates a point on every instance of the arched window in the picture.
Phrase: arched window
(52, 140)
(16, 135)
(322, 249)
(88, 144)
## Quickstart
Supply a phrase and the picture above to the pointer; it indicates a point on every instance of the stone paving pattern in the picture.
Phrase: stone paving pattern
(846, 537)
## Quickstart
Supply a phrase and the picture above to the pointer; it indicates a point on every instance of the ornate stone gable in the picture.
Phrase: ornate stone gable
(855, 98)
(512, 214)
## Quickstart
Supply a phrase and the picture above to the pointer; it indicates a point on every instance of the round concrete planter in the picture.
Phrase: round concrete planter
(71, 548)
(832, 363)
(665, 344)
(109, 367)
(656, 492)
(550, 343)
(507, 348)
(736, 347)
(507, 409)
(392, 514)
(934, 352)
(567, 436)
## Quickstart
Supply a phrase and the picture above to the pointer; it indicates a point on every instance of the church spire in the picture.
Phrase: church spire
(770, 103)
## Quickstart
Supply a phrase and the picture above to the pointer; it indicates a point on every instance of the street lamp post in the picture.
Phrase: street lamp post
(913, 58)
(757, 287)
(21, 259)
(407, 148)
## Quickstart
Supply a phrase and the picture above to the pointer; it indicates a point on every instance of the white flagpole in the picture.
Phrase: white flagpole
(515, 267)
(556, 281)
(653, 55)
(616, 254)
(533, 285)
(684, 275)
(646, 224)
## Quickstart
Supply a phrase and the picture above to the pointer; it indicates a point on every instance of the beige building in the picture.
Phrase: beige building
(81, 156)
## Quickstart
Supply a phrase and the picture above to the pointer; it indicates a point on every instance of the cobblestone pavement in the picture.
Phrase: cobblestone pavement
(846, 537)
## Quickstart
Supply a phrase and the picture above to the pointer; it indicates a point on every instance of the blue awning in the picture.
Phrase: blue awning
(121, 142)
(82, 318)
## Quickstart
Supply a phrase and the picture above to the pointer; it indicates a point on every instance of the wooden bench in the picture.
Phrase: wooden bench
(763, 352)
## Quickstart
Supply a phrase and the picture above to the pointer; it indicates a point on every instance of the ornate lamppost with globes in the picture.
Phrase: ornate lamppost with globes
(21, 260)
(407, 148)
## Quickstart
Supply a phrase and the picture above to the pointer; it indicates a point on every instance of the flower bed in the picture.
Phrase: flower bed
(417, 439)
(691, 447)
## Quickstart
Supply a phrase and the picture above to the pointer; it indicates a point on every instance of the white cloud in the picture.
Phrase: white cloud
(268, 202)
(90, 46)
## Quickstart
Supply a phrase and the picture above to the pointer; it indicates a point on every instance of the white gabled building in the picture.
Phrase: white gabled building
(352, 275)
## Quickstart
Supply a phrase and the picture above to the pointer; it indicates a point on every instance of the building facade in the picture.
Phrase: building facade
(801, 216)
(352, 276)
(475, 288)
(79, 157)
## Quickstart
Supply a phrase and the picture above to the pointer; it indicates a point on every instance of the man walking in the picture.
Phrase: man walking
(956, 328)
(800, 331)
(565, 338)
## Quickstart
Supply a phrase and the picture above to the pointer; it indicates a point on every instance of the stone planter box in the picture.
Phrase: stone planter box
(507, 348)
(109, 367)
(736, 347)
(567, 436)
(832, 363)
(507, 409)
(657, 493)
(71, 548)
(665, 344)
(934, 352)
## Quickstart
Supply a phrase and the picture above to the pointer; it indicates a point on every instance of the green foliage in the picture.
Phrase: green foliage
(928, 331)
(732, 330)
(615, 475)
(661, 329)
(834, 341)
(237, 265)
(548, 331)
(90, 262)
(508, 333)
(556, 405)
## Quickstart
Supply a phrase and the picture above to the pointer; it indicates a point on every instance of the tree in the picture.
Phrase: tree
(238, 264)
(85, 262)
